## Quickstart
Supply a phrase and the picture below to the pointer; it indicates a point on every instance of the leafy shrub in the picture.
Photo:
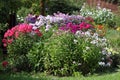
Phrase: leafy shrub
(4, 15)
(3, 27)
(21, 45)
(115, 45)
(100, 16)
(117, 21)
(21, 15)
(66, 54)
(60, 5)
(36, 56)
(17, 52)
(19, 63)
(19, 40)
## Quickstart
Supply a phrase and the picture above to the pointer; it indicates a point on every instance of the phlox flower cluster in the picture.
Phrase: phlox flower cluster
(57, 18)
(16, 31)
(75, 27)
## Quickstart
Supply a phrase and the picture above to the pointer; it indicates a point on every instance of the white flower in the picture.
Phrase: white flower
(79, 64)
(108, 64)
(74, 62)
(109, 53)
(34, 27)
(75, 41)
(79, 34)
(103, 58)
(87, 48)
(94, 42)
(48, 27)
(104, 51)
(101, 63)
(87, 34)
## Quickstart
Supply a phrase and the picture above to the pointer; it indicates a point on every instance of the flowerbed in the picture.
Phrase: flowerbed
(61, 45)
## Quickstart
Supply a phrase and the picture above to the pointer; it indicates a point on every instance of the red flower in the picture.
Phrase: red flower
(38, 32)
(4, 63)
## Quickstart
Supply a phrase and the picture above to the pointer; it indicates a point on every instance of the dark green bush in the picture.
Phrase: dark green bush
(61, 6)
(20, 63)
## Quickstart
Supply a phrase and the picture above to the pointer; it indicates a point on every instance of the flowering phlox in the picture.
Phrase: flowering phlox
(75, 27)
(14, 33)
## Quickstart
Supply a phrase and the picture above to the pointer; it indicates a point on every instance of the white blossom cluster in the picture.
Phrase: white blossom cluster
(101, 42)
(100, 15)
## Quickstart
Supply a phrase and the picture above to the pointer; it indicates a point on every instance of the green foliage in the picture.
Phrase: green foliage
(65, 57)
(36, 56)
(21, 45)
(77, 3)
(28, 3)
(4, 15)
(114, 39)
(100, 15)
(18, 49)
(7, 7)
(32, 5)
(3, 27)
(21, 15)
(60, 5)
(19, 63)
(117, 20)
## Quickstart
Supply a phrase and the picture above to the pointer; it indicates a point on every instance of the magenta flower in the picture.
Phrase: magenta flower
(75, 27)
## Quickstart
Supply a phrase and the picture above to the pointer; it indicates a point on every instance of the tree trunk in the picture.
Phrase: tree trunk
(42, 6)
(12, 20)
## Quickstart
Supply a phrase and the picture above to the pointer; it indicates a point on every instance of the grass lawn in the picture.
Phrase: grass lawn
(39, 76)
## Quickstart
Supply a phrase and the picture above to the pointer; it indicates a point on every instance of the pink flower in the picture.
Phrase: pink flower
(11, 33)
(28, 28)
(10, 41)
(14, 28)
(16, 34)
(4, 40)
(25, 28)
(5, 45)
(21, 28)
(87, 26)
(84, 25)
(6, 34)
